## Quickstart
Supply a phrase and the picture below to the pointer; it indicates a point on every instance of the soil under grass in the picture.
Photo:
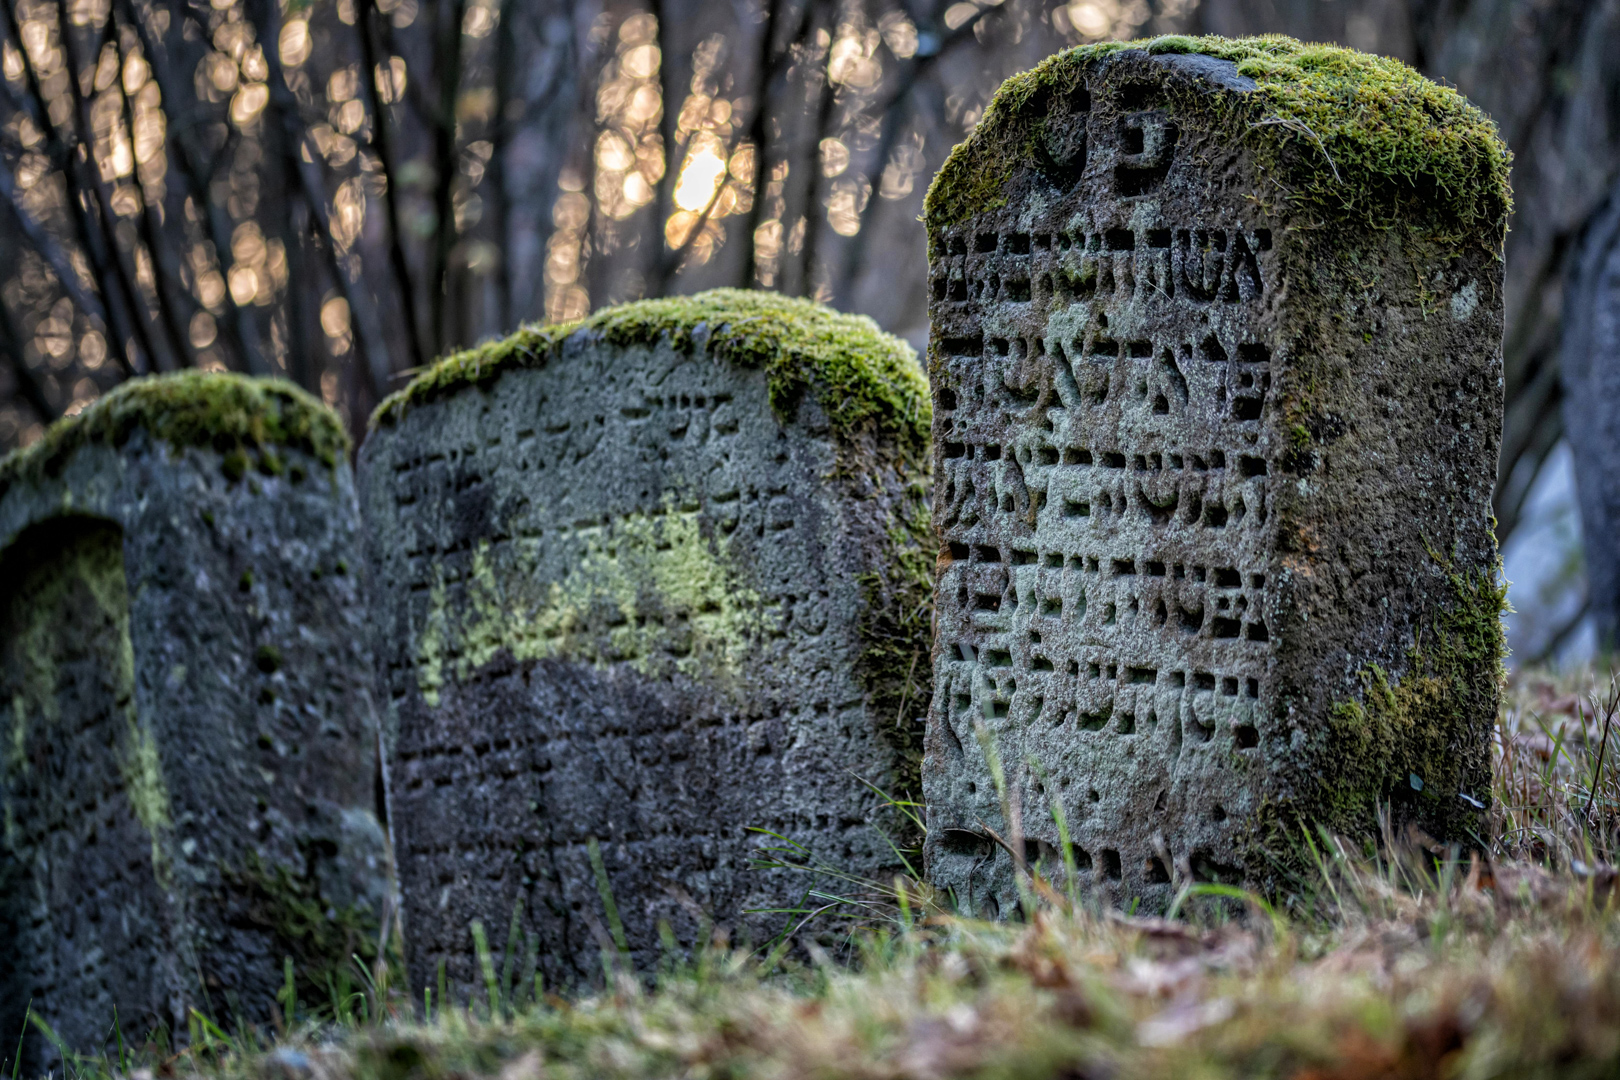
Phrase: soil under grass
(1408, 961)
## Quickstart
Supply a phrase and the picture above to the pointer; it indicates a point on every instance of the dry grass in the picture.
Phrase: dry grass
(1410, 963)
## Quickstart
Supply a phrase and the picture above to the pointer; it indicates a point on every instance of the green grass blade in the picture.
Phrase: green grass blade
(486, 965)
(605, 890)
(51, 1036)
(16, 1062)
(511, 951)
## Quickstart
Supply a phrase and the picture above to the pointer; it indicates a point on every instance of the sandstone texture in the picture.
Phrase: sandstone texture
(1215, 357)
(652, 595)
(188, 753)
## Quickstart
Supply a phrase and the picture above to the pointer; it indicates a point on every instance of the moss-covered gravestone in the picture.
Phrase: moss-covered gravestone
(187, 742)
(647, 583)
(1217, 386)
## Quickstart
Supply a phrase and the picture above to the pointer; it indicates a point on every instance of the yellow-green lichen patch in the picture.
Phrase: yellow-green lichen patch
(67, 621)
(64, 568)
(863, 377)
(243, 418)
(1352, 139)
(648, 590)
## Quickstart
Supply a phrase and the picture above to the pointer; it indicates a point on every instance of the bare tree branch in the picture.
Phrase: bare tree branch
(195, 165)
(500, 137)
(87, 233)
(125, 291)
(671, 261)
(27, 381)
(43, 242)
(382, 143)
(826, 100)
(367, 326)
(765, 71)
(172, 298)
(894, 109)
(447, 47)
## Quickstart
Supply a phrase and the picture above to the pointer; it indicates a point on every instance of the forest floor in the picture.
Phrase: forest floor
(1410, 962)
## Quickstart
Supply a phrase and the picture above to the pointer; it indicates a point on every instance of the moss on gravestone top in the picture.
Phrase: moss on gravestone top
(1350, 139)
(233, 414)
(862, 375)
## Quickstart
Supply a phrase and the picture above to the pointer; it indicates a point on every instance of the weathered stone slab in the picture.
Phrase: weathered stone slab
(650, 581)
(189, 773)
(1589, 369)
(1216, 365)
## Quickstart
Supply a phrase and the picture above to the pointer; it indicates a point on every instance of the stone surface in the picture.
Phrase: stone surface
(624, 601)
(189, 775)
(1213, 475)
(1589, 367)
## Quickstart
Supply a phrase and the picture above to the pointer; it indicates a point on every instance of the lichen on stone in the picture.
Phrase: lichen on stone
(648, 590)
(242, 418)
(1416, 743)
(322, 939)
(1348, 139)
(93, 569)
(863, 377)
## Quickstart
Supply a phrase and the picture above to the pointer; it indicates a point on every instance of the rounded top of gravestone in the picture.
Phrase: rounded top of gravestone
(863, 377)
(1343, 138)
(243, 418)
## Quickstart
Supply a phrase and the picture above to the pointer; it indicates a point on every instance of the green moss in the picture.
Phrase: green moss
(321, 938)
(1431, 725)
(267, 658)
(1351, 139)
(241, 417)
(865, 378)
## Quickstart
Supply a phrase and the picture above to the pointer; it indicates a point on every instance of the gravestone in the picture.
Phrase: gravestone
(1215, 355)
(189, 776)
(1589, 369)
(645, 584)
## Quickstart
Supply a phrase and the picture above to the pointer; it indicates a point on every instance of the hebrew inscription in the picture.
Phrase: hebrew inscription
(1111, 355)
(626, 602)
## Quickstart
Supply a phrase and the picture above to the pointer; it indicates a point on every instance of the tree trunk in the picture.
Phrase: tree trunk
(1590, 364)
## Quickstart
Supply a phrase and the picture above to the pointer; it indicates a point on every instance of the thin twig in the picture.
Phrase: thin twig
(895, 108)
(171, 295)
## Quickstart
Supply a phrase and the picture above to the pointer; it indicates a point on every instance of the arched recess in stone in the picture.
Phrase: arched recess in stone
(84, 806)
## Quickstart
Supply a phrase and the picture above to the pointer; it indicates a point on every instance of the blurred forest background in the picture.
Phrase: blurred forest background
(339, 191)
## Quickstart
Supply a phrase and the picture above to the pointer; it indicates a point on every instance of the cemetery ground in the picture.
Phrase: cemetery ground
(1408, 961)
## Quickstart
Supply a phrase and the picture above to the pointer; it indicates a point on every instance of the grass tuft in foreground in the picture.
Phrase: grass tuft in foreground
(1402, 962)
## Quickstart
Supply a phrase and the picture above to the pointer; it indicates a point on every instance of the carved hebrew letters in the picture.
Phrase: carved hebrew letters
(623, 597)
(1107, 576)
(1139, 610)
